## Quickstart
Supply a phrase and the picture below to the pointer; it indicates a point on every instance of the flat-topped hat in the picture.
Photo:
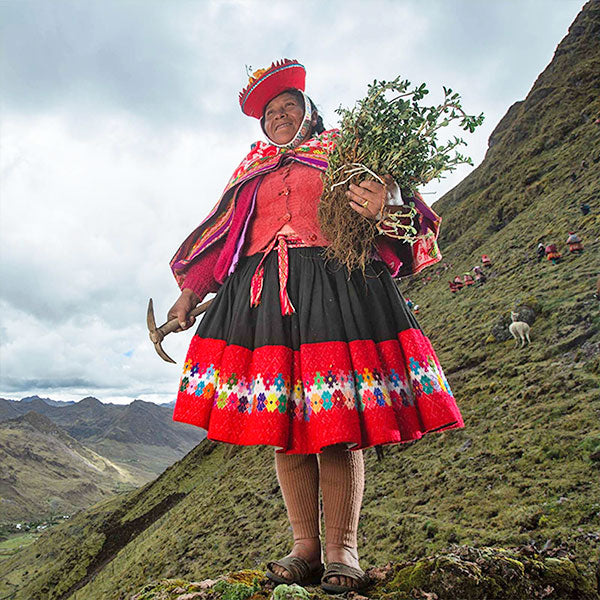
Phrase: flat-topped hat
(266, 84)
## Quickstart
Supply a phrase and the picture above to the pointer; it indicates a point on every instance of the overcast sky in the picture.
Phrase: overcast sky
(120, 125)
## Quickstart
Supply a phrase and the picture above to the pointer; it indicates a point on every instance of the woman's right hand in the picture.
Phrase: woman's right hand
(182, 307)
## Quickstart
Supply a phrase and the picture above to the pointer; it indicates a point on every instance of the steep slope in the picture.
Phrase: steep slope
(535, 151)
(523, 471)
(46, 471)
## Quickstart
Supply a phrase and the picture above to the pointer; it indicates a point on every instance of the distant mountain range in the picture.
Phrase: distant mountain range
(61, 456)
(46, 471)
(47, 401)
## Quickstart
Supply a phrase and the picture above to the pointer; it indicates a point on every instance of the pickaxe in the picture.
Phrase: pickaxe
(157, 334)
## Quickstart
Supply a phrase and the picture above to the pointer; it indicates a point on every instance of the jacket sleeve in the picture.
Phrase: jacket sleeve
(200, 277)
(403, 258)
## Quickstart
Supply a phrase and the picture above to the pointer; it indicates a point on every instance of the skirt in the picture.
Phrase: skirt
(350, 366)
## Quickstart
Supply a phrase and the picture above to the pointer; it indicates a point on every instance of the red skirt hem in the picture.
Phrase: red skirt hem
(362, 393)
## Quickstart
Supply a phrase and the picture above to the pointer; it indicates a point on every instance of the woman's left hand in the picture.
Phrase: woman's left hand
(368, 198)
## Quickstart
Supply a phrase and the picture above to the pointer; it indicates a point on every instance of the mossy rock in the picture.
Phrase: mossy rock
(462, 572)
(486, 573)
(243, 585)
(499, 329)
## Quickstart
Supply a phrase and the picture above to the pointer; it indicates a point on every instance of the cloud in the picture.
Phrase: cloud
(120, 127)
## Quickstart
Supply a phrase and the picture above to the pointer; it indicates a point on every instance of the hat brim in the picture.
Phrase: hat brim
(270, 85)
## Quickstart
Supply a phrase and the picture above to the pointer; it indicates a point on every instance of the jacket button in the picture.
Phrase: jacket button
(287, 217)
(312, 237)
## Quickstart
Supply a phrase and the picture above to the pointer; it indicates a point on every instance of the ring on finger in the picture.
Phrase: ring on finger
(365, 204)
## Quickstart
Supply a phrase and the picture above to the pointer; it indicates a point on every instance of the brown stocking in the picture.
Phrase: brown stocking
(298, 476)
(342, 484)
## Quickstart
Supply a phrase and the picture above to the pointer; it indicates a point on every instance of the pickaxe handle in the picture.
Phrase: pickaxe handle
(173, 324)
(157, 334)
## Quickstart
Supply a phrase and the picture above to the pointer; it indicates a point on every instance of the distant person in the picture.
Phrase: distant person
(414, 307)
(458, 283)
(452, 286)
(541, 251)
(468, 279)
(574, 243)
(480, 277)
(553, 254)
(485, 259)
(584, 164)
(585, 209)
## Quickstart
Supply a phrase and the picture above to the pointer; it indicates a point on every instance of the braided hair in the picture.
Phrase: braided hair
(319, 127)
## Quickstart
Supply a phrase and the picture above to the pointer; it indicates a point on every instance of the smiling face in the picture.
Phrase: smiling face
(283, 117)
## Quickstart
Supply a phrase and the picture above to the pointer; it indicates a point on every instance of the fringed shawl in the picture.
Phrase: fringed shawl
(261, 159)
(401, 257)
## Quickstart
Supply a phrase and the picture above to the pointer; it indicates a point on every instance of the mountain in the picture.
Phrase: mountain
(8, 409)
(47, 401)
(46, 471)
(524, 471)
(534, 161)
(141, 437)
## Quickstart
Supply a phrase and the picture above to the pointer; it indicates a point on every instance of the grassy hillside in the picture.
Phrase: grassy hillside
(47, 472)
(140, 438)
(525, 470)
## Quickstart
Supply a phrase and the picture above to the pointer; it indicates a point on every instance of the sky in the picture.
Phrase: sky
(120, 125)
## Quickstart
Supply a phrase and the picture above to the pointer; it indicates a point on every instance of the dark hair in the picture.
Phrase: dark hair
(317, 129)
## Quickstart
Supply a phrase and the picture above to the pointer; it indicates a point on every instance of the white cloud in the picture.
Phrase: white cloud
(120, 127)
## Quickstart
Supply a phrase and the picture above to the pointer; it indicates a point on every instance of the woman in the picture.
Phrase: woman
(298, 353)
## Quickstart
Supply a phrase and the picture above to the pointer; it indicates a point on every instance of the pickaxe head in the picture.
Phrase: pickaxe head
(156, 334)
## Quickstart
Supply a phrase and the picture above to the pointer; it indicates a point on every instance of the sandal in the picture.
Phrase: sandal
(337, 569)
(298, 568)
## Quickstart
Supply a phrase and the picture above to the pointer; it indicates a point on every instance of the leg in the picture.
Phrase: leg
(298, 476)
(342, 484)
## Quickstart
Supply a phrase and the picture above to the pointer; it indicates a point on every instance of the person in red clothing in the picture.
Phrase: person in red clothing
(553, 254)
(574, 243)
(458, 283)
(296, 352)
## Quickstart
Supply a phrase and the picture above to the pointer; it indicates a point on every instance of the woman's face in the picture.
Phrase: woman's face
(283, 116)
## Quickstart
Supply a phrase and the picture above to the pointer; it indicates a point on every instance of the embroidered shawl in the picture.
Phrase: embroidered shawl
(264, 157)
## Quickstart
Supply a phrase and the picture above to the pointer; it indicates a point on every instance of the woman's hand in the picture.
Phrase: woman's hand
(181, 309)
(369, 198)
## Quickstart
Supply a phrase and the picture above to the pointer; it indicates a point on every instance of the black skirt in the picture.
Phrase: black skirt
(350, 365)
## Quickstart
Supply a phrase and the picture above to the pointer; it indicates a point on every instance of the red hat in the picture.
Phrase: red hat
(265, 84)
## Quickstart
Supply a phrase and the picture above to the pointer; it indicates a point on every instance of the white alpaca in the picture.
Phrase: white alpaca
(519, 330)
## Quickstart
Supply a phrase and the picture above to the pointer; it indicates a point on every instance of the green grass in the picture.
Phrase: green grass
(15, 543)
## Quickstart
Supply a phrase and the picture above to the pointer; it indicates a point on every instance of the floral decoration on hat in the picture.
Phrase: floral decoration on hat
(265, 84)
